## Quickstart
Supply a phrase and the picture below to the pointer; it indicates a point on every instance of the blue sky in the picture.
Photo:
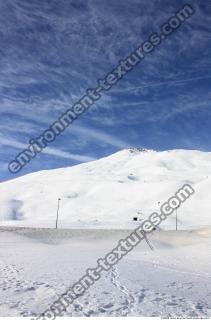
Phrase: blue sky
(52, 51)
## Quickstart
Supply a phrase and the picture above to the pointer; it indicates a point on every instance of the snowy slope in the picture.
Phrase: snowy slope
(109, 192)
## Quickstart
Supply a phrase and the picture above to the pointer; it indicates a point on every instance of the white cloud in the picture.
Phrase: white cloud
(100, 136)
(51, 151)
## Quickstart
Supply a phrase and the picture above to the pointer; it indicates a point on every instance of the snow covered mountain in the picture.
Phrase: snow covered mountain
(109, 192)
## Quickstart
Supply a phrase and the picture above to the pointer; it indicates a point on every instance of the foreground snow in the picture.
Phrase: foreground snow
(37, 265)
(98, 202)
(109, 192)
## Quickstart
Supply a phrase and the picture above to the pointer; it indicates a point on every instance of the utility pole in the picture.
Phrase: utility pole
(57, 214)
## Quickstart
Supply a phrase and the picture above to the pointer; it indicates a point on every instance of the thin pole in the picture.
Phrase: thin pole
(57, 213)
(147, 241)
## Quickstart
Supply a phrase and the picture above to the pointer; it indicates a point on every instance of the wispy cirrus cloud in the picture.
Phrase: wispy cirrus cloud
(101, 136)
(50, 151)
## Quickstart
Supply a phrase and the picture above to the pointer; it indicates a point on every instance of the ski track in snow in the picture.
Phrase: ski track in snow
(130, 299)
(141, 302)
(117, 293)
(127, 303)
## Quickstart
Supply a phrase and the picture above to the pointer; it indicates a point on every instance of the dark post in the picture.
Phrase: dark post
(57, 214)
